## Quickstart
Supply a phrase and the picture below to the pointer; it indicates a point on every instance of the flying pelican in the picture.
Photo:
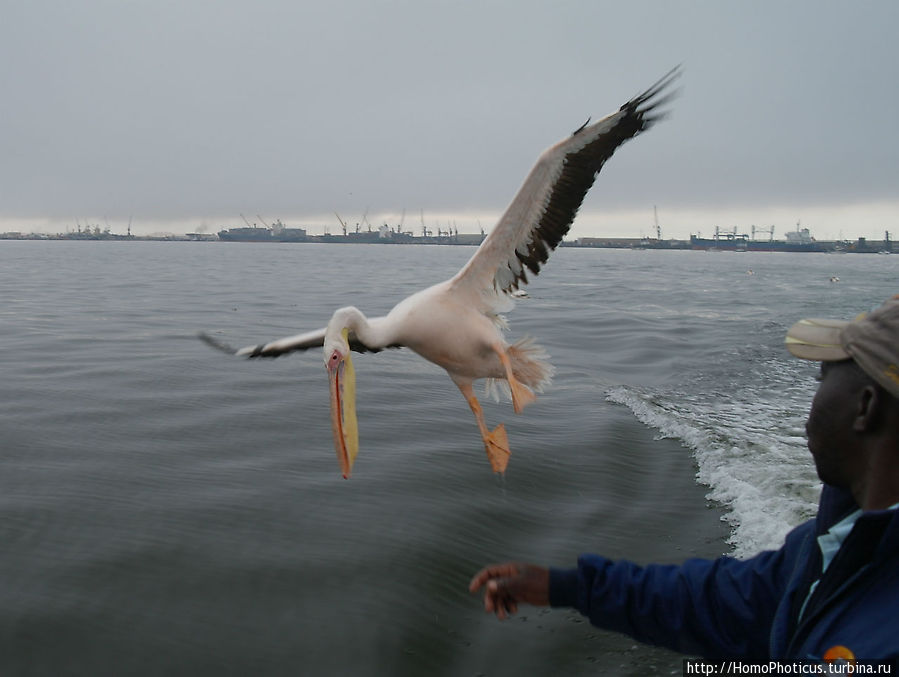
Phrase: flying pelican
(457, 323)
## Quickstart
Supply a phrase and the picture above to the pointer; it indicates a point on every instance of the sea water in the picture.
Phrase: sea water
(167, 509)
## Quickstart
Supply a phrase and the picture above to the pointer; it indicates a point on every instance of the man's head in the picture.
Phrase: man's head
(859, 388)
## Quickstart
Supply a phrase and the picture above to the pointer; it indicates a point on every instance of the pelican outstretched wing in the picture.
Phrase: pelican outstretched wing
(289, 344)
(546, 204)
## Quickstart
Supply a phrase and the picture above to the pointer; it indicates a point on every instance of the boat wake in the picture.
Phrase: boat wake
(749, 447)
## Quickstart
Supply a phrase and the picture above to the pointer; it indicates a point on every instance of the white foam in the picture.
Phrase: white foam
(749, 447)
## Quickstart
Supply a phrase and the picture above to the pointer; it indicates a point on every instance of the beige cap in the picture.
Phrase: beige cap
(871, 339)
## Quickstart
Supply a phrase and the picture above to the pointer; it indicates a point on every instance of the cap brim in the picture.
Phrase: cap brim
(817, 340)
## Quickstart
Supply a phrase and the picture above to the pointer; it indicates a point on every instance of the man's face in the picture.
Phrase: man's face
(831, 439)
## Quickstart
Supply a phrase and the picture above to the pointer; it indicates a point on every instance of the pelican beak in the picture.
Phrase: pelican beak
(343, 413)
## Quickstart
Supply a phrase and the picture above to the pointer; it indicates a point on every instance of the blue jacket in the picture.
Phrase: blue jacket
(749, 609)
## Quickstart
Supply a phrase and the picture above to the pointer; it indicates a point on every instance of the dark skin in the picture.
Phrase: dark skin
(510, 584)
(853, 436)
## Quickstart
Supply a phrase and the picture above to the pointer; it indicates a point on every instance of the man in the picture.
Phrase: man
(830, 592)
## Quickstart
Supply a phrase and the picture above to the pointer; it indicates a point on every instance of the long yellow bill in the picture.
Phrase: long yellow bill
(343, 414)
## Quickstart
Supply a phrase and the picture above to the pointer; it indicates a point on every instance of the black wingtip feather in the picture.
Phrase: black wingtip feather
(662, 83)
(215, 343)
(230, 350)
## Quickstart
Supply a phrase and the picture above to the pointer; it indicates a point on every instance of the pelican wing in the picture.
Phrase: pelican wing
(547, 202)
(283, 346)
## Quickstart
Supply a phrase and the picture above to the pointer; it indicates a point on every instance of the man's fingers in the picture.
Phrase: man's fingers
(509, 584)
(499, 599)
(492, 572)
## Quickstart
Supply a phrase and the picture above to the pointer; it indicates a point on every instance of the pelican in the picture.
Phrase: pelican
(458, 324)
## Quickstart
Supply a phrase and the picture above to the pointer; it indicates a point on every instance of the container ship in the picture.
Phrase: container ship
(796, 241)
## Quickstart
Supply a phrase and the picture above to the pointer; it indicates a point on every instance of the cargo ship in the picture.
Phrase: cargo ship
(796, 241)
(277, 233)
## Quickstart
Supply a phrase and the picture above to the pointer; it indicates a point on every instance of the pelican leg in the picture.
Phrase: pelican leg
(496, 443)
(522, 396)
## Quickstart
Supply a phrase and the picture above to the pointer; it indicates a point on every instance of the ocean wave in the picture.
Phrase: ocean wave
(749, 450)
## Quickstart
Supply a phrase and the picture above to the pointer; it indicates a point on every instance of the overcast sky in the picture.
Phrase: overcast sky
(184, 115)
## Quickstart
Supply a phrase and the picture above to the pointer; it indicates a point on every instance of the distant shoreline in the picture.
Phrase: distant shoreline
(860, 246)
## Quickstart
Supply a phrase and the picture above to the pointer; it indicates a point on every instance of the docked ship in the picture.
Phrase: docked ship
(796, 241)
(277, 233)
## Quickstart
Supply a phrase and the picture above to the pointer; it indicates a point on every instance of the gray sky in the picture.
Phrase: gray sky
(185, 114)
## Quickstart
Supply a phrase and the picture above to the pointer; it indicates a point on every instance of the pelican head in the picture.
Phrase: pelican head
(342, 379)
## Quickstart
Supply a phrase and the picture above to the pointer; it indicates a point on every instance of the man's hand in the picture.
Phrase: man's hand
(509, 584)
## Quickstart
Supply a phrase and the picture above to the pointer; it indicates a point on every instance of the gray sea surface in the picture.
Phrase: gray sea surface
(166, 509)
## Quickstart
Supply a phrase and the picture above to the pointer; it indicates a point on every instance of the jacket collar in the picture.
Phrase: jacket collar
(836, 503)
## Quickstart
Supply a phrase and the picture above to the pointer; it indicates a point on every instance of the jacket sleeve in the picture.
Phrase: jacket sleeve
(712, 608)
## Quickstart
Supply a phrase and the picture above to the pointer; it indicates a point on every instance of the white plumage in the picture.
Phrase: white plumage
(457, 323)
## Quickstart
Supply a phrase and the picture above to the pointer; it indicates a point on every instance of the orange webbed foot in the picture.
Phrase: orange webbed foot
(497, 446)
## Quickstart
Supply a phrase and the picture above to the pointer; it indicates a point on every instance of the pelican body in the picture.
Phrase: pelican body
(458, 323)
